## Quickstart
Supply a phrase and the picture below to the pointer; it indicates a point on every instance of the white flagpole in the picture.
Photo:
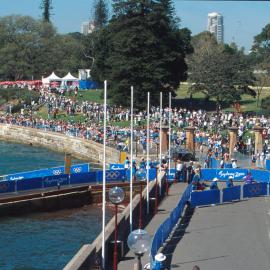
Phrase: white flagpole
(160, 124)
(170, 126)
(104, 177)
(147, 149)
(131, 162)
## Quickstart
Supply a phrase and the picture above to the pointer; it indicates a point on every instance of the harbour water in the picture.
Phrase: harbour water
(18, 158)
(47, 241)
(42, 241)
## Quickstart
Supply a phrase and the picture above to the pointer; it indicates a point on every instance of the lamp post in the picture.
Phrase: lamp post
(116, 196)
(141, 177)
(138, 242)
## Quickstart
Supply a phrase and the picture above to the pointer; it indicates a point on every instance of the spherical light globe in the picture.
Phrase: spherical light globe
(139, 241)
(116, 195)
(140, 175)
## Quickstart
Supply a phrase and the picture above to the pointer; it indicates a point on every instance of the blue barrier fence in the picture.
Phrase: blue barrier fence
(237, 174)
(236, 193)
(79, 168)
(166, 227)
(63, 180)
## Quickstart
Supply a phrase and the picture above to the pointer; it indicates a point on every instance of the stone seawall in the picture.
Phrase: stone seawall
(79, 148)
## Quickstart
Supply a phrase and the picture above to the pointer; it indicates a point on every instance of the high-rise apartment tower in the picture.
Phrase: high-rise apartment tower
(215, 26)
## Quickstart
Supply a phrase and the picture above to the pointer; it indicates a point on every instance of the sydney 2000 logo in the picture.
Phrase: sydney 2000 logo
(227, 174)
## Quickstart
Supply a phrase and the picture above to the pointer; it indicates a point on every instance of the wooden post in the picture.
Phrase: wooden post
(67, 163)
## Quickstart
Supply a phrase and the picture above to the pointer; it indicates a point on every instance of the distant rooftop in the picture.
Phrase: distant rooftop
(214, 14)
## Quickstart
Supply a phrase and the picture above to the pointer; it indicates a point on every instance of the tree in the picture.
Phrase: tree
(265, 105)
(262, 41)
(32, 48)
(220, 72)
(262, 80)
(100, 14)
(141, 46)
(46, 6)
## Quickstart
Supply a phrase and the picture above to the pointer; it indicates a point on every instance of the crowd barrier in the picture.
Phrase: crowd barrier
(152, 172)
(236, 193)
(78, 168)
(164, 230)
(236, 174)
(62, 180)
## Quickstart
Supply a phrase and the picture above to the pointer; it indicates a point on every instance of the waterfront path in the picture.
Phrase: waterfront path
(164, 210)
(229, 236)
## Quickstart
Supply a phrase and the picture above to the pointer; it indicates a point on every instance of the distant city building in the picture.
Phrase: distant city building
(215, 26)
(87, 28)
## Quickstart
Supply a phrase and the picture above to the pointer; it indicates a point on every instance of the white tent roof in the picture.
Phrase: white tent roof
(69, 77)
(50, 78)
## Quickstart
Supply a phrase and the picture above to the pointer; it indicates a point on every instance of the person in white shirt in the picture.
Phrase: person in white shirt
(234, 165)
(179, 170)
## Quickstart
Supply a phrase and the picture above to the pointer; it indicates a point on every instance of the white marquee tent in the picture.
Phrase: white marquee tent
(69, 78)
(51, 78)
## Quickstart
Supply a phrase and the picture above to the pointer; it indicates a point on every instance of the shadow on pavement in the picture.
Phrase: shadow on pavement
(177, 235)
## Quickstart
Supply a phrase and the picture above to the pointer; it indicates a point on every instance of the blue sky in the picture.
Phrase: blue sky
(242, 19)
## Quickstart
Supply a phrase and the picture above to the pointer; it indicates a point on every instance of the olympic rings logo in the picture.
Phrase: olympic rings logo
(4, 186)
(57, 172)
(77, 170)
(112, 174)
(255, 189)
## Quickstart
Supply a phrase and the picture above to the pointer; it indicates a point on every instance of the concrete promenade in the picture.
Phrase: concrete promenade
(229, 236)
(164, 210)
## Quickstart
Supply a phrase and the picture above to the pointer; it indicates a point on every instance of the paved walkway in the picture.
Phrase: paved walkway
(164, 210)
(229, 236)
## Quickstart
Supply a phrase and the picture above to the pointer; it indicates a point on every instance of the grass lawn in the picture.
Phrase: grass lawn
(90, 95)
(248, 103)
(43, 113)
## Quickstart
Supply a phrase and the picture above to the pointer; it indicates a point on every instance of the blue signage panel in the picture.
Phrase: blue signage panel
(260, 175)
(112, 175)
(79, 168)
(231, 194)
(52, 181)
(27, 184)
(237, 174)
(254, 190)
(267, 164)
(208, 174)
(89, 177)
(7, 186)
(116, 166)
(207, 197)
(152, 174)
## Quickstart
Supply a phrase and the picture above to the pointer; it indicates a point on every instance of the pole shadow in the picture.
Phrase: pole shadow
(177, 235)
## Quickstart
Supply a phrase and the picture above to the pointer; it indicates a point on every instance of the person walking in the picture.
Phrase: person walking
(179, 170)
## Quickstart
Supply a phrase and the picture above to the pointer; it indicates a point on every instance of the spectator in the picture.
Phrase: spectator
(214, 184)
(248, 178)
(196, 185)
(253, 160)
(179, 170)
(142, 164)
(221, 164)
(190, 172)
(229, 182)
(234, 164)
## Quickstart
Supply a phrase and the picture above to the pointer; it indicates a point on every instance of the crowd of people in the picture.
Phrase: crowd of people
(210, 133)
